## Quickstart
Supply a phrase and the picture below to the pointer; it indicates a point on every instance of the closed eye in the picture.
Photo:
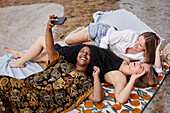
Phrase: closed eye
(142, 68)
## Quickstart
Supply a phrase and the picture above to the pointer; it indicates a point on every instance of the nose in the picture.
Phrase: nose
(137, 42)
(84, 53)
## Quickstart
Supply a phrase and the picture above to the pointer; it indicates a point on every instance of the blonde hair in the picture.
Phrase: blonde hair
(149, 79)
(151, 42)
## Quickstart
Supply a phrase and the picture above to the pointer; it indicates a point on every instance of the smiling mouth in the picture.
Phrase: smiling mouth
(82, 58)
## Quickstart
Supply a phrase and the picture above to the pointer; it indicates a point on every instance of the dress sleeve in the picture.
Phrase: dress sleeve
(48, 63)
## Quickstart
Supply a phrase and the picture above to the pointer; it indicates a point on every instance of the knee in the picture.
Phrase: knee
(41, 39)
(67, 40)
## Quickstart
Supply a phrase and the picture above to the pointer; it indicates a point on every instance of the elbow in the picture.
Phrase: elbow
(67, 40)
(96, 100)
(121, 101)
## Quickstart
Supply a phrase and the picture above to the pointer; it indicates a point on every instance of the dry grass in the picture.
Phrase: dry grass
(78, 12)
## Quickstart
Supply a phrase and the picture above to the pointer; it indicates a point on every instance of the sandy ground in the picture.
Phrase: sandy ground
(79, 12)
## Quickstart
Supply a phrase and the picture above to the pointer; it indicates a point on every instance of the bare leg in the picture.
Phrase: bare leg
(18, 54)
(15, 54)
(78, 36)
(31, 53)
(40, 58)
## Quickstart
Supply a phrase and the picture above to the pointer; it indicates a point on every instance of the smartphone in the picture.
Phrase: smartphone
(60, 21)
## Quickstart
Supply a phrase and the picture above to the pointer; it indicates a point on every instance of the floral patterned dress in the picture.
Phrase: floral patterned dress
(56, 89)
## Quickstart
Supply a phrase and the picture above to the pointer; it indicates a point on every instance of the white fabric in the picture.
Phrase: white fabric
(18, 73)
(122, 20)
(119, 41)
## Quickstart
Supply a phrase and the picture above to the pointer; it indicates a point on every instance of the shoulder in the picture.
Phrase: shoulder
(113, 77)
(129, 32)
(125, 33)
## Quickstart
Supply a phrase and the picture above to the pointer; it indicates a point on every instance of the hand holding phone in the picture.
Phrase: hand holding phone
(60, 21)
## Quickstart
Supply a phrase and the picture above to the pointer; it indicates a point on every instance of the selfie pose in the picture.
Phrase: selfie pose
(73, 74)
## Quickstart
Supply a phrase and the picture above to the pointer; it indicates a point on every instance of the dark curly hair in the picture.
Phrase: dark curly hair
(99, 57)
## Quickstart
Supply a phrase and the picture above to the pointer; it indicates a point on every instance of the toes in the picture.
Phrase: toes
(6, 49)
(15, 65)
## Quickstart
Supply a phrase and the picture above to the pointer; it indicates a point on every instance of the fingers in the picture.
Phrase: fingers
(52, 18)
(160, 42)
(96, 70)
(160, 39)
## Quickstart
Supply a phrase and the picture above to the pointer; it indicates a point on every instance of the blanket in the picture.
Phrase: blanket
(138, 101)
(121, 19)
(18, 73)
(139, 98)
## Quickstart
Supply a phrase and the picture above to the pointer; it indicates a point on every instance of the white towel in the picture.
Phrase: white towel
(18, 73)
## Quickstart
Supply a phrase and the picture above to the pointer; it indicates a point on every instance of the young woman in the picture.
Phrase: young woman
(126, 43)
(63, 85)
(60, 87)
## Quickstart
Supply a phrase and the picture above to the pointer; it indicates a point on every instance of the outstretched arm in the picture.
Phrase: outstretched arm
(98, 93)
(122, 88)
(49, 39)
(157, 63)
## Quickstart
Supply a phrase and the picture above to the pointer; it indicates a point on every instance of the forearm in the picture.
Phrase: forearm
(157, 63)
(98, 93)
(50, 44)
(124, 94)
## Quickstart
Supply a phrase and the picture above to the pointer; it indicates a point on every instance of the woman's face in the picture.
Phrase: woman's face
(139, 67)
(84, 56)
(139, 43)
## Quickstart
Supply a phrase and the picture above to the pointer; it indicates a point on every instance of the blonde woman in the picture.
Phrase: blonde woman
(125, 43)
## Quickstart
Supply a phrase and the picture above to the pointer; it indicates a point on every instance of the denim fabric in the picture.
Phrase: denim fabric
(97, 31)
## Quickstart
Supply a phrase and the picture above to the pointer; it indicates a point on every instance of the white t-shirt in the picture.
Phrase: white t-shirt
(119, 41)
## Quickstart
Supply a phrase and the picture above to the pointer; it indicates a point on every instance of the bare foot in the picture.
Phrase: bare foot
(16, 64)
(13, 52)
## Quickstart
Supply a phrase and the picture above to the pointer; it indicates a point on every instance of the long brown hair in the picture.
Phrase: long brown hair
(151, 42)
(149, 79)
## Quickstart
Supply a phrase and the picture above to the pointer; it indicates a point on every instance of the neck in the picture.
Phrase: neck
(80, 68)
(125, 69)
(132, 51)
